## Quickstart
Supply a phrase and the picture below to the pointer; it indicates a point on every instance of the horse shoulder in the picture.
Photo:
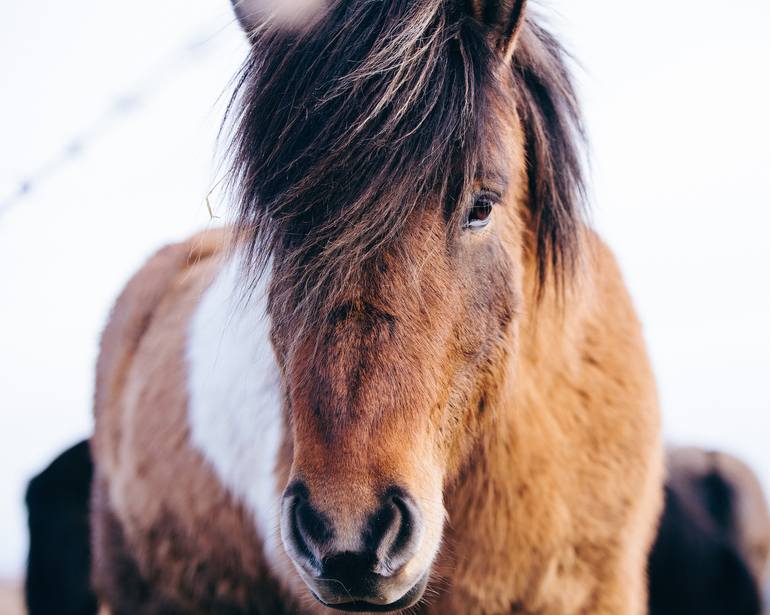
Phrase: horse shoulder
(187, 439)
(128, 321)
(585, 381)
(618, 390)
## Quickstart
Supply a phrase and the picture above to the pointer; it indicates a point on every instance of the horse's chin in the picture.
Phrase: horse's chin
(409, 599)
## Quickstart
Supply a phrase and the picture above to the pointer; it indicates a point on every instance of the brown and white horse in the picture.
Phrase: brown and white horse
(409, 375)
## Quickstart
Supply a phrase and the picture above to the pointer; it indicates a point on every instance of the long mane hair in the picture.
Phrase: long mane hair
(341, 130)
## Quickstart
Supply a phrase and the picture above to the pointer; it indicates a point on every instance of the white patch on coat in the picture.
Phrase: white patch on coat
(234, 408)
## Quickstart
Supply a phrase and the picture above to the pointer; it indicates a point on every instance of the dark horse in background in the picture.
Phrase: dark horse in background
(409, 376)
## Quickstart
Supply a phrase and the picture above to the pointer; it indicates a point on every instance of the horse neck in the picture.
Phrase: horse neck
(517, 441)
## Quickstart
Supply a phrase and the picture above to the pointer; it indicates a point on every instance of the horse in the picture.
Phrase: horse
(59, 562)
(407, 376)
(712, 553)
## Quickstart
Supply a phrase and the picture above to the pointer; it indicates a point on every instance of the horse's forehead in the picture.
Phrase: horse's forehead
(420, 253)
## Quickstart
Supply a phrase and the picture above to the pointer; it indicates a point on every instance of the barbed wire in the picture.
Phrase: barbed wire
(160, 77)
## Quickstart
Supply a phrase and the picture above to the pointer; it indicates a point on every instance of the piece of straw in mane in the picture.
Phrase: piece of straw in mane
(341, 130)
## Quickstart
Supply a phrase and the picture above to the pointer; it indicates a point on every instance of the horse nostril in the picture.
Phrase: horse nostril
(395, 532)
(308, 530)
(389, 540)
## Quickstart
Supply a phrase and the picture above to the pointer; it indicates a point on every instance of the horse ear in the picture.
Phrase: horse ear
(286, 13)
(504, 19)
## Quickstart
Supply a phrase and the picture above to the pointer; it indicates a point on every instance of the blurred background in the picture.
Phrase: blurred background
(108, 121)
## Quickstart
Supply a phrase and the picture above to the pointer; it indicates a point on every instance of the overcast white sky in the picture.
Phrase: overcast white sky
(677, 96)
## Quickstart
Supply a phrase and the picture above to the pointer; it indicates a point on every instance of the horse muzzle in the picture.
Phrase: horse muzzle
(367, 566)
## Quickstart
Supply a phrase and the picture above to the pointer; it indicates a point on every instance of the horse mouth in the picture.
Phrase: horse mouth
(409, 599)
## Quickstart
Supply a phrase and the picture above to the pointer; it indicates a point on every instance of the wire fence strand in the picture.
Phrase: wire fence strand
(194, 50)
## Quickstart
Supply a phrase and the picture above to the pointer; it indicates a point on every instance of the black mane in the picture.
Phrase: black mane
(341, 130)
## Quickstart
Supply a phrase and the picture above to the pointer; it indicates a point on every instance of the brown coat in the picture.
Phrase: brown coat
(555, 514)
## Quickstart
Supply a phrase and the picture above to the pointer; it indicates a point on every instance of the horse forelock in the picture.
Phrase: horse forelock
(342, 130)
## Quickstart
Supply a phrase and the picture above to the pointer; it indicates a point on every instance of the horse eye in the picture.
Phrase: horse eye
(480, 214)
